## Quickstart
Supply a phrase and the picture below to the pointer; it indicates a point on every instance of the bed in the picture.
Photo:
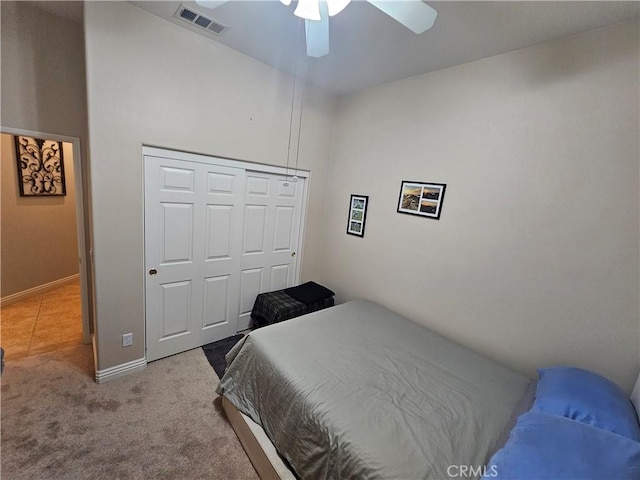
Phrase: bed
(357, 391)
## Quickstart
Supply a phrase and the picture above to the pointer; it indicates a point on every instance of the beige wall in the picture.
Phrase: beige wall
(39, 243)
(43, 71)
(535, 259)
(195, 96)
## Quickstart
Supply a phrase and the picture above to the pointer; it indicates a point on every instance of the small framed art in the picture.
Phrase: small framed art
(357, 215)
(423, 199)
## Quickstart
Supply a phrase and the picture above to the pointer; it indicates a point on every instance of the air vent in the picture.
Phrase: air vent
(217, 28)
(200, 21)
(187, 14)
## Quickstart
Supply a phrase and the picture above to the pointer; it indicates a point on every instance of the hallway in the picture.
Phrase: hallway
(41, 324)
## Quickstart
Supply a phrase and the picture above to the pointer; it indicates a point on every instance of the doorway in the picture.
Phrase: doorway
(45, 301)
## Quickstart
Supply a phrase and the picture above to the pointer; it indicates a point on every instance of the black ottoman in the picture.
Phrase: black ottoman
(274, 307)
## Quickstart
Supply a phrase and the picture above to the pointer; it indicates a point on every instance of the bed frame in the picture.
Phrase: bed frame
(259, 449)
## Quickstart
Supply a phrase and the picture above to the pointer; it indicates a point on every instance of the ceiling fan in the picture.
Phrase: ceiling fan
(413, 14)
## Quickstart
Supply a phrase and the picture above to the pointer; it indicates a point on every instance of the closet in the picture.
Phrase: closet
(217, 233)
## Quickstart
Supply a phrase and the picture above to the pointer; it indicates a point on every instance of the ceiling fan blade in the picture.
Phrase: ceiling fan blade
(210, 3)
(317, 34)
(413, 14)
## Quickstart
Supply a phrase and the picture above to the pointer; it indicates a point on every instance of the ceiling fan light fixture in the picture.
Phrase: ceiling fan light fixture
(210, 3)
(336, 6)
(285, 2)
(308, 9)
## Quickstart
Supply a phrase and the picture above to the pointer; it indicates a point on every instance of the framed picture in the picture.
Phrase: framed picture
(40, 167)
(357, 215)
(423, 199)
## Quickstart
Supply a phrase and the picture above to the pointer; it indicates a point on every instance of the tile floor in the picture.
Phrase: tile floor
(42, 324)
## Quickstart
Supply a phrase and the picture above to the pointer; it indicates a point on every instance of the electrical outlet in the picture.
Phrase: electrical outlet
(127, 339)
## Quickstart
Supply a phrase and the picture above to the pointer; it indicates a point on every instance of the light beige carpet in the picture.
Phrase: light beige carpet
(162, 423)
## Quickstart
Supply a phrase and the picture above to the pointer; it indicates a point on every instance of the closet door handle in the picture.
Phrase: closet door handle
(153, 271)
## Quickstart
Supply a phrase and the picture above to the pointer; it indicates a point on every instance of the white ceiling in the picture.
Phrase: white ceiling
(369, 48)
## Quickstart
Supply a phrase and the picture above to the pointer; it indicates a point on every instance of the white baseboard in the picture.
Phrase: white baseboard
(121, 370)
(39, 290)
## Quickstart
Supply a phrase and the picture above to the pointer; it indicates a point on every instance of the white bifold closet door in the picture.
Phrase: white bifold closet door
(215, 237)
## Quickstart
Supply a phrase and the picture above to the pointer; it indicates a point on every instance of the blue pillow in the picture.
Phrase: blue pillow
(543, 446)
(586, 397)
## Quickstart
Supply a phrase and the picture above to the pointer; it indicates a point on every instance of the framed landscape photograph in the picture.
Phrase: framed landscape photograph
(422, 199)
(357, 215)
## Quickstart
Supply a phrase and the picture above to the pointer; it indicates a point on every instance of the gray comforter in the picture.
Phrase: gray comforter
(357, 391)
